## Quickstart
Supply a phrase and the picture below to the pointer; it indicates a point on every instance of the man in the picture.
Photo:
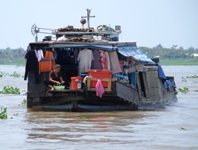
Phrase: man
(55, 77)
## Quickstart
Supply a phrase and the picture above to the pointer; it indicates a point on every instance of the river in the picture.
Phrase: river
(173, 127)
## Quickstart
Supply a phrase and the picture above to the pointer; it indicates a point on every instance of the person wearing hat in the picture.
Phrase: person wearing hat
(55, 77)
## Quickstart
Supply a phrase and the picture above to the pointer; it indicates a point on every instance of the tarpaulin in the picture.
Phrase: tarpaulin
(133, 51)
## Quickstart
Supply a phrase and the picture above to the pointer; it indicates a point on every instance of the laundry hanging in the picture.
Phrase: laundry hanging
(85, 57)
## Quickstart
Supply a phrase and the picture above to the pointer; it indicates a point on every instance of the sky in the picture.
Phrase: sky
(148, 22)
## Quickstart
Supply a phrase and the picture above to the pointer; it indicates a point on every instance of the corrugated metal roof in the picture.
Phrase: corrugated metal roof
(133, 51)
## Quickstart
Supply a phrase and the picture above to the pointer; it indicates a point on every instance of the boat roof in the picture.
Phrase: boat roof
(110, 45)
(127, 49)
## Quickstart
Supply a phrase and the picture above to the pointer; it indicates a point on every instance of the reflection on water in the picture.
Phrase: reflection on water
(172, 127)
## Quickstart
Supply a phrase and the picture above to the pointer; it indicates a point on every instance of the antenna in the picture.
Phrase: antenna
(35, 30)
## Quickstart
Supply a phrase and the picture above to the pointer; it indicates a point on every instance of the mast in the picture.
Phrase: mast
(88, 16)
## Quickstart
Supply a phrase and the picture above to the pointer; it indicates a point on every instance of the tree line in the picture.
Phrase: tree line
(16, 56)
(169, 53)
(12, 56)
(9, 53)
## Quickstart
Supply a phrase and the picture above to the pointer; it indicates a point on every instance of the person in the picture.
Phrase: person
(55, 77)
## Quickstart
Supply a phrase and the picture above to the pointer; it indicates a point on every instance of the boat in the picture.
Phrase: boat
(129, 79)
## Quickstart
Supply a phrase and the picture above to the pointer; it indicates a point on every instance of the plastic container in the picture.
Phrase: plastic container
(59, 87)
(76, 83)
(99, 74)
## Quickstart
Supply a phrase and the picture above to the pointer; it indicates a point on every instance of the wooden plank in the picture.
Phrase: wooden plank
(145, 84)
(109, 85)
(127, 93)
(114, 79)
(139, 85)
(88, 84)
(102, 79)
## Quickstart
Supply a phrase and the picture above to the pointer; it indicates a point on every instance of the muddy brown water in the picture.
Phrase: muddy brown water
(173, 127)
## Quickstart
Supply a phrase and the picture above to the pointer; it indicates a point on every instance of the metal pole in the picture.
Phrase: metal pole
(88, 19)
(36, 38)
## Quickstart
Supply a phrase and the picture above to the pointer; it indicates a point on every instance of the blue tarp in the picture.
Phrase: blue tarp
(161, 72)
(103, 47)
(133, 51)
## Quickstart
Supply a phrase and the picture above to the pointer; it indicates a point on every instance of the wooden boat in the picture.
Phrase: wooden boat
(147, 88)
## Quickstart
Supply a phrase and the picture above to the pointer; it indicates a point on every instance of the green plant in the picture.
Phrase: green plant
(184, 79)
(10, 90)
(23, 103)
(15, 74)
(3, 113)
(83, 119)
(184, 90)
(23, 92)
(195, 76)
(1, 74)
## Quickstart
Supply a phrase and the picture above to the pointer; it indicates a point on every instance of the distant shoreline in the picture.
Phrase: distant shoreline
(163, 62)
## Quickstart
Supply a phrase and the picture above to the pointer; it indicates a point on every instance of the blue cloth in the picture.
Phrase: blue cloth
(161, 72)
(168, 84)
(132, 77)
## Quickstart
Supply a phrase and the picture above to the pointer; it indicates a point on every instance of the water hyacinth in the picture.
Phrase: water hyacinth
(3, 113)
(23, 103)
(184, 90)
(10, 90)
(195, 76)
(3, 74)
(15, 74)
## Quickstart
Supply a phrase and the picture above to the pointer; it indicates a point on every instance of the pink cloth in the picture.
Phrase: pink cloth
(121, 65)
(99, 88)
(102, 60)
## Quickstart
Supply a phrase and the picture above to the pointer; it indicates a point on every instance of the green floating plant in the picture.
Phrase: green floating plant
(23, 103)
(184, 90)
(15, 74)
(23, 92)
(195, 76)
(10, 90)
(83, 119)
(3, 74)
(3, 113)
(184, 79)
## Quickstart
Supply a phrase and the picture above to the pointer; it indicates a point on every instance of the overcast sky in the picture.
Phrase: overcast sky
(148, 22)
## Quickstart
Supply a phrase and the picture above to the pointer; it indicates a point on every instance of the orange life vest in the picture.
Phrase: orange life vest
(47, 63)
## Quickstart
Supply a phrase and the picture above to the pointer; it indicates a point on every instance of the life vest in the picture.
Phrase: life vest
(47, 63)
